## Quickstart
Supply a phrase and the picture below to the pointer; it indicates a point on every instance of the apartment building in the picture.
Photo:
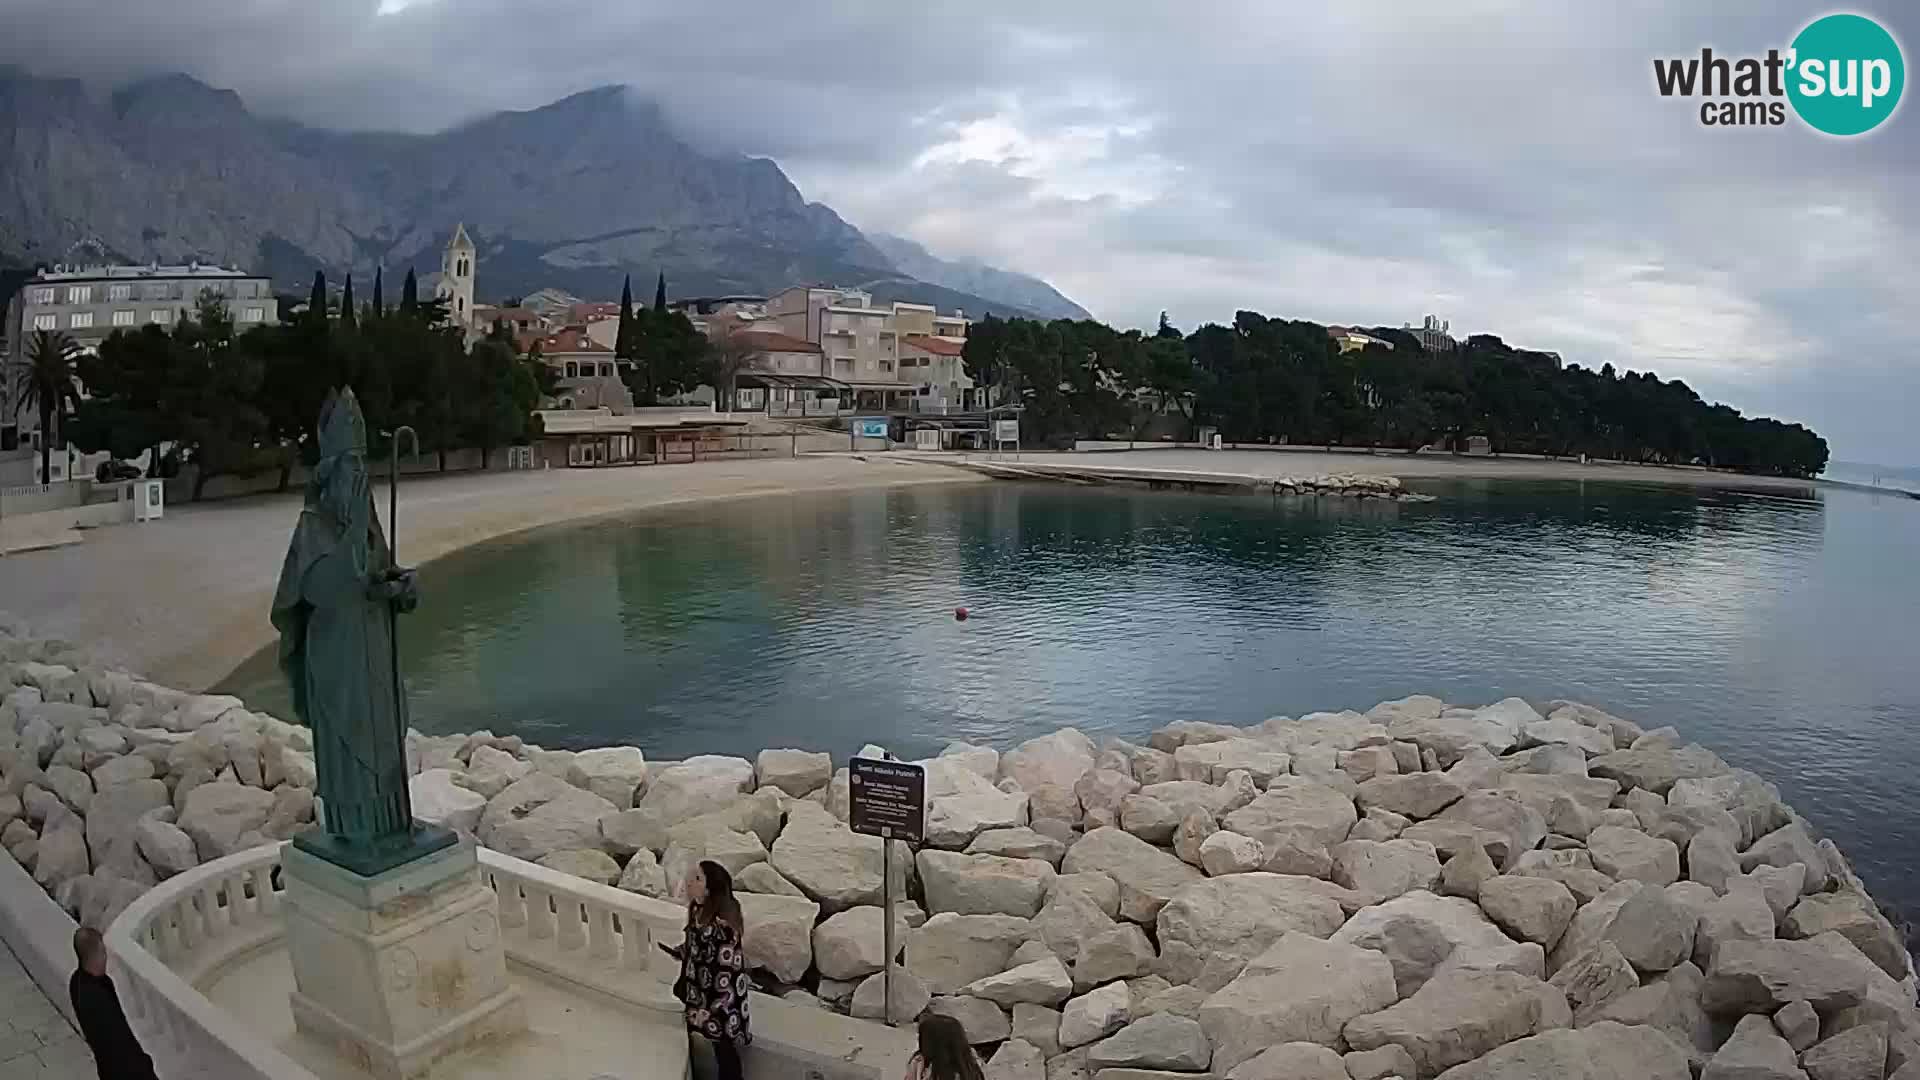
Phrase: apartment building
(862, 344)
(89, 303)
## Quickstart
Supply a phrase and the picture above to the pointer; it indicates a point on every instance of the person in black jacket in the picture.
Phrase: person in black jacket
(116, 1053)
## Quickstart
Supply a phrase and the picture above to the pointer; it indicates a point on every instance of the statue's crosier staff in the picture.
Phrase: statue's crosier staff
(393, 539)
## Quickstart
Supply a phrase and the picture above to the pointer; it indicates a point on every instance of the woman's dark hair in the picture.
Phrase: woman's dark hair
(945, 1050)
(721, 905)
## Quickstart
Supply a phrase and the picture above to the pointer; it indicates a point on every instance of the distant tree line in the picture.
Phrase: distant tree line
(1280, 380)
(249, 402)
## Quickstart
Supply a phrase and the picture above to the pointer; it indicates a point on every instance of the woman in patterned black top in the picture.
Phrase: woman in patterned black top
(713, 966)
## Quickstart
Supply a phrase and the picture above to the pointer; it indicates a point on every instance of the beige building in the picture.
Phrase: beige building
(862, 344)
(89, 303)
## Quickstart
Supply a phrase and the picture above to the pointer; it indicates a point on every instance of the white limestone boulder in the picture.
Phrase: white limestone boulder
(1069, 918)
(1147, 876)
(538, 814)
(983, 884)
(982, 1020)
(1210, 927)
(1121, 951)
(698, 785)
(1762, 976)
(1382, 870)
(779, 934)
(1461, 1015)
(1604, 1051)
(111, 837)
(1754, 1052)
(61, 854)
(1157, 1041)
(165, 847)
(1652, 931)
(626, 831)
(1292, 1061)
(1422, 935)
(1415, 795)
(1656, 769)
(1529, 908)
(615, 773)
(1593, 979)
(1042, 982)
(491, 771)
(909, 998)
(799, 773)
(852, 944)
(1300, 989)
(948, 951)
(1094, 1015)
(1296, 805)
(219, 816)
(1047, 768)
(1018, 842)
(437, 800)
(589, 864)
(1212, 761)
(1230, 853)
(833, 865)
(1629, 854)
(644, 875)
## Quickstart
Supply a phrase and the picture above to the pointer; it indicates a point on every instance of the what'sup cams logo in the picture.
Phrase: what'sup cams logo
(1842, 76)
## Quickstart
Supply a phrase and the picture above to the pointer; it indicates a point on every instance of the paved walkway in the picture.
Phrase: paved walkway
(36, 1042)
(184, 600)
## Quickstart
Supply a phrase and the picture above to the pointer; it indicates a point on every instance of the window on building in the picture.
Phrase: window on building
(79, 294)
(256, 314)
(46, 322)
(573, 370)
(42, 296)
(123, 318)
(81, 320)
(160, 315)
(460, 303)
(160, 290)
(119, 292)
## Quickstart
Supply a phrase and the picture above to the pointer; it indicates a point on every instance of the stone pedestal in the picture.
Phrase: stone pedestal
(402, 968)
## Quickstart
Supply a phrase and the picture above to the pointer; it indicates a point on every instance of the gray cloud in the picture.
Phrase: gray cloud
(1505, 164)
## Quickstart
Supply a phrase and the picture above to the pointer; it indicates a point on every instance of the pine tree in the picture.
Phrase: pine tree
(379, 305)
(409, 293)
(317, 299)
(347, 316)
(623, 338)
(660, 292)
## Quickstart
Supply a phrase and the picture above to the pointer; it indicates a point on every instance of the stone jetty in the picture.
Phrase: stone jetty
(1509, 891)
(1093, 472)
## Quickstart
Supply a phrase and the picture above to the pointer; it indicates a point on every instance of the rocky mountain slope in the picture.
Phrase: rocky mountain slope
(573, 194)
(1003, 287)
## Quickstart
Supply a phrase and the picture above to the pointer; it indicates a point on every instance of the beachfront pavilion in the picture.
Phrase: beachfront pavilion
(590, 438)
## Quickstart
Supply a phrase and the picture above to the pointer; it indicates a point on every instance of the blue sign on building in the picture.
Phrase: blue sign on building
(870, 428)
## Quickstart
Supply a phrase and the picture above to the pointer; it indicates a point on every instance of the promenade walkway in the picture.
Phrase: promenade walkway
(36, 1042)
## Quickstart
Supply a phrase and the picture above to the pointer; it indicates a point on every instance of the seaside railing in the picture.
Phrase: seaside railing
(190, 929)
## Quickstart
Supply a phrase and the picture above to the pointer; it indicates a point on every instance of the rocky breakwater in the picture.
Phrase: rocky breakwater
(1347, 485)
(1415, 891)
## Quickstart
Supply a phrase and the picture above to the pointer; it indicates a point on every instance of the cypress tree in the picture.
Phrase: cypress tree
(623, 338)
(409, 293)
(317, 299)
(379, 305)
(347, 316)
(660, 292)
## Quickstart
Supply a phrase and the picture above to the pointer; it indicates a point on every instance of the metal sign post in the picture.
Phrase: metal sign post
(887, 799)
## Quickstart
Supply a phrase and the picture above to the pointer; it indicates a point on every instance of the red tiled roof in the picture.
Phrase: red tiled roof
(594, 312)
(571, 339)
(774, 341)
(934, 345)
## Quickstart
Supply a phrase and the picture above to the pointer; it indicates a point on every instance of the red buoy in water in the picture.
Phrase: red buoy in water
(959, 614)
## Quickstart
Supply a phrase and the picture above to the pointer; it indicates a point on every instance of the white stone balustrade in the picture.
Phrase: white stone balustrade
(187, 931)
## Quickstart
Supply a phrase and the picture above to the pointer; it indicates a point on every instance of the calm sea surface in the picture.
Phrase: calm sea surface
(1783, 632)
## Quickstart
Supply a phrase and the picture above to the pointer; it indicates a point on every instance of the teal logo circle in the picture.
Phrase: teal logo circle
(1846, 74)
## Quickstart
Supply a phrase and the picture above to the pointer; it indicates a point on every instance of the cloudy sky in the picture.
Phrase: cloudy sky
(1505, 165)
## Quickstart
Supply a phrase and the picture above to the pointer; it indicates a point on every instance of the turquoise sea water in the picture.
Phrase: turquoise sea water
(1779, 630)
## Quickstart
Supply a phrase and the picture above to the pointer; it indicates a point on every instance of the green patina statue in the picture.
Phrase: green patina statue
(335, 609)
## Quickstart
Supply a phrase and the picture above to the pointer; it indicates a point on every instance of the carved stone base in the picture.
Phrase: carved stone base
(400, 969)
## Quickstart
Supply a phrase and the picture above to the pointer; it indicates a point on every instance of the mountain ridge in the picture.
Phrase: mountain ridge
(575, 193)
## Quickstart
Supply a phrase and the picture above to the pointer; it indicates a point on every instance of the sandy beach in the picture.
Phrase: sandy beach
(184, 600)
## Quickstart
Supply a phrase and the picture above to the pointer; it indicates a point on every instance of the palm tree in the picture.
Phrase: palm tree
(49, 385)
(730, 355)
